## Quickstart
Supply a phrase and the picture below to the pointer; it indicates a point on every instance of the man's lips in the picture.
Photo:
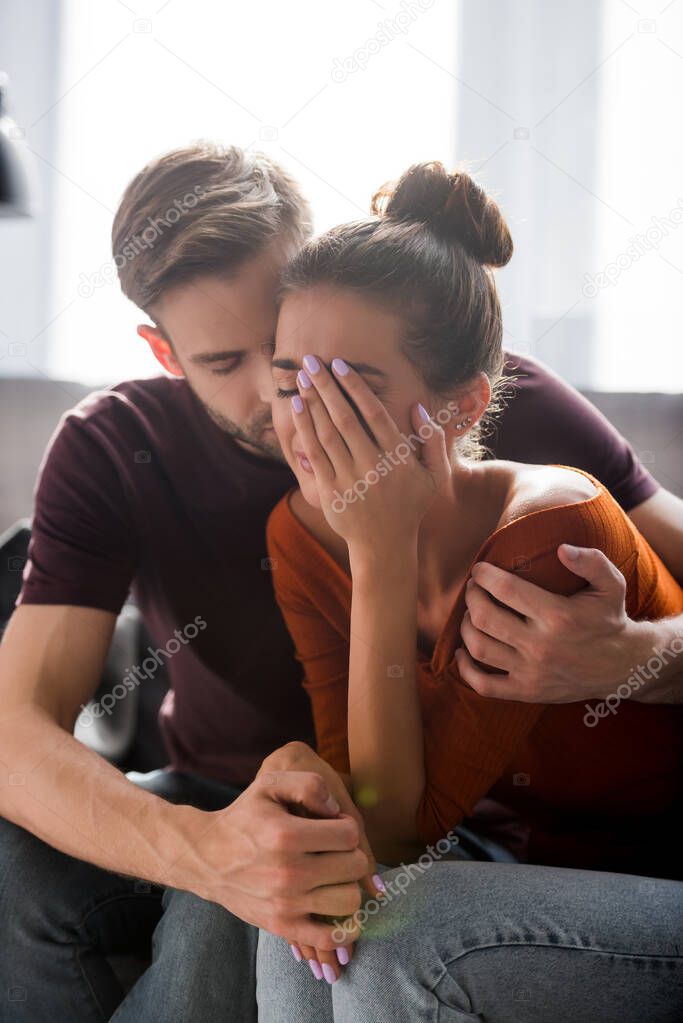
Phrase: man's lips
(303, 461)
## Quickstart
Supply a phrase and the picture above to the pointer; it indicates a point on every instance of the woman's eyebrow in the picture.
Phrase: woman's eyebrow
(360, 367)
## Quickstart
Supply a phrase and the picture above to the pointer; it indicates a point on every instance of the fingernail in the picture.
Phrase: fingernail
(340, 367)
(343, 955)
(315, 969)
(328, 973)
(424, 414)
(297, 403)
(303, 379)
(571, 552)
(296, 953)
(379, 884)
(311, 363)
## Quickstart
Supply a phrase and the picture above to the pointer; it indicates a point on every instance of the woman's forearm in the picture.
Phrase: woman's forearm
(384, 719)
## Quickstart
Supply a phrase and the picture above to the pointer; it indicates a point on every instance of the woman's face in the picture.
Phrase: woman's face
(331, 323)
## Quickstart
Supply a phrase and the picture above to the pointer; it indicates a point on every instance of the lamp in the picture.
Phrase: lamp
(17, 173)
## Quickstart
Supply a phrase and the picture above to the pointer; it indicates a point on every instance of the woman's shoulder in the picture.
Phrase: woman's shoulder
(538, 488)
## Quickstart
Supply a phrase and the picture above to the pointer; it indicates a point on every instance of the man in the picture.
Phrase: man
(165, 485)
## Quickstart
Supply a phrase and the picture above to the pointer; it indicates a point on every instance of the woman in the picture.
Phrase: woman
(388, 352)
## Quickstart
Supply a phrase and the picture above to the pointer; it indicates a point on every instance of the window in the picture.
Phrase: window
(345, 95)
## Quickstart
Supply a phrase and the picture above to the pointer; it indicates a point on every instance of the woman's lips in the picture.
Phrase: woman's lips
(303, 461)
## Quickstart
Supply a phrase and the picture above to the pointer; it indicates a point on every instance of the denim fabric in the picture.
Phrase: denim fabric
(61, 919)
(466, 942)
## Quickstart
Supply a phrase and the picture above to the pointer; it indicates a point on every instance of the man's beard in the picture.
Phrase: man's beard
(254, 434)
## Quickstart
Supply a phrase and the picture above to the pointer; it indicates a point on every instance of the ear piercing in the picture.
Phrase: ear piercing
(465, 422)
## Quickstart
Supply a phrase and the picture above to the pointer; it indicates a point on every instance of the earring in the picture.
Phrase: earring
(465, 422)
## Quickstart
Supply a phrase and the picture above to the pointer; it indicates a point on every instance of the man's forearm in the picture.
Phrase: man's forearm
(658, 676)
(75, 801)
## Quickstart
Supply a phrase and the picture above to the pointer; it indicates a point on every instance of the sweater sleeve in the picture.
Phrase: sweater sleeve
(471, 739)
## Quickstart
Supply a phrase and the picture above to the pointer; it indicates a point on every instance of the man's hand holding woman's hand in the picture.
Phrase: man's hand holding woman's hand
(297, 757)
(287, 853)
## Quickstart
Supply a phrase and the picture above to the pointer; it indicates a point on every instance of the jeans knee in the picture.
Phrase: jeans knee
(193, 927)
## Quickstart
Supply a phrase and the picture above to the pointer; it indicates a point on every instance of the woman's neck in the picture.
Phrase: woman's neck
(457, 524)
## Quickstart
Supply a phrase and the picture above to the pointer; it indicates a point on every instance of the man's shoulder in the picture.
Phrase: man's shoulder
(117, 426)
(130, 400)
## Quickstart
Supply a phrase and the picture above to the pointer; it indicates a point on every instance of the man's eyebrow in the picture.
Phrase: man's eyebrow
(207, 358)
(360, 367)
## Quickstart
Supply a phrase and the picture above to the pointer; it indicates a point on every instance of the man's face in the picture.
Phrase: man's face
(222, 331)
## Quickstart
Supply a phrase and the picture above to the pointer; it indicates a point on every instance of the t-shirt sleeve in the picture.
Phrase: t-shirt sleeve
(547, 422)
(82, 550)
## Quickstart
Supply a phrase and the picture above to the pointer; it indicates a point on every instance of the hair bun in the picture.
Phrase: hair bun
(452, 205)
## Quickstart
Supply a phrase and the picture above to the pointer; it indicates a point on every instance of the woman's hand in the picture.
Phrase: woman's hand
(297, 756)
(374, 490)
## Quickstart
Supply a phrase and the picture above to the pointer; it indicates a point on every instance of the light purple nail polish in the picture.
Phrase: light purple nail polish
(311, 363)
(296, 953)
(297, 403)
(303, 379)
(340, 367)
(343, 955)
(378, 883)
(315, 969)
(328, 973)
(424, 414)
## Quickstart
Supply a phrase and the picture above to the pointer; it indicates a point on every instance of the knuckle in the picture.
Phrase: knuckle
(314, 787)
(277, 839)
(374, 415)
(480, 684)
(283, 880)
(326, 435)
(619, 581)
(559, 620)
(281, 906)
(478, 615)
(477, 647)
(345, 421)
(297, 750)
(351, 832)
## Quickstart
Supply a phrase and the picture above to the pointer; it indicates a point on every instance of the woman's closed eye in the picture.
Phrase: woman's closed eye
(282, 392)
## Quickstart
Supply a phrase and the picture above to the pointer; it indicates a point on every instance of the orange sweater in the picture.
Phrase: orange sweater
(603, 796)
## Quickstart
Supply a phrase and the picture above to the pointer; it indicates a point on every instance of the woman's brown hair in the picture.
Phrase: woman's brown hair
(427, 252)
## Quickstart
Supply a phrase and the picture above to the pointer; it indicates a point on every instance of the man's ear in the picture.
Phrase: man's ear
(161, 348)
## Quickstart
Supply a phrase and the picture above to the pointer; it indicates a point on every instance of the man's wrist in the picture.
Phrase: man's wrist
(657, 672)
(180, 864)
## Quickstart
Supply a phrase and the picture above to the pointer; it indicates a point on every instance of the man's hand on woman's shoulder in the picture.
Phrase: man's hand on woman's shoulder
(561, 649)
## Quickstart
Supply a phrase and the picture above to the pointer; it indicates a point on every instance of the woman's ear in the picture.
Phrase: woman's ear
(467, 407)
(161, 348)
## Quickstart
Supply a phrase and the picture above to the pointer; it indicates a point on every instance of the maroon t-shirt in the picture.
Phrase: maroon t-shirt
(140, 491)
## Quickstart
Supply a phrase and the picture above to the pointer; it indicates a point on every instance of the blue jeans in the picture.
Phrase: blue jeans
(61, 919)
(467, 942)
